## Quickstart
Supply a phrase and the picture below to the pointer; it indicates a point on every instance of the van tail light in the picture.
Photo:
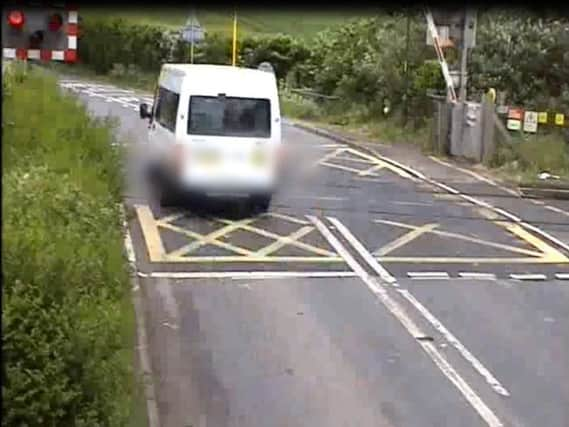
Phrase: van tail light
(16, 19)
(181, 156)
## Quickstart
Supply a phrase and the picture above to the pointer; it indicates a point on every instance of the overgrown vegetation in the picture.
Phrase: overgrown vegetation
(381, 78)
(528, 156)
(68, 322)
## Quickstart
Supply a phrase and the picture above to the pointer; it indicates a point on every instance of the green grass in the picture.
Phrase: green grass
(530, 155)
(302, 23)
(68, 320)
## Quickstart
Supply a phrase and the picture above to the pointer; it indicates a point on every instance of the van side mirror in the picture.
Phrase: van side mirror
(144, 111)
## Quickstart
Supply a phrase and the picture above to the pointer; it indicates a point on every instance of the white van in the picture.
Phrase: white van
(215, 130)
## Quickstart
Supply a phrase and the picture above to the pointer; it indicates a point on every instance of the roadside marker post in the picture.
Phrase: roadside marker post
(234, 59)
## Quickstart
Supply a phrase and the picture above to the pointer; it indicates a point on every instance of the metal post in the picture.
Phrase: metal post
(464, 59)
(192, 48)
(234, 61)
(406, 70)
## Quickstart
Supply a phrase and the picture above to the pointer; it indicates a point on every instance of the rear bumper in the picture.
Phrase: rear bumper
(225, 191)
(228, 186)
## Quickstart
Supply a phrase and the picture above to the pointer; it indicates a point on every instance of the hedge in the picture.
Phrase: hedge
(116, 41)
(68, 323)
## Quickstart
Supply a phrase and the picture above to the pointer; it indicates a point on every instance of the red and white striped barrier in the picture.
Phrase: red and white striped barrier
(440, 55)
(66, 55)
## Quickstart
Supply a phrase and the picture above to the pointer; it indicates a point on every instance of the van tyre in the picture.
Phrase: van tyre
(261, 203)
(167, 196)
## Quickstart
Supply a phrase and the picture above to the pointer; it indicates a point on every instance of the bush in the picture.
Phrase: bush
(108, 44)
(524, 55)
(67, 319)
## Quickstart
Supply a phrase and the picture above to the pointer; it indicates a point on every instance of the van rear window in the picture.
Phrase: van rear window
(229, 116)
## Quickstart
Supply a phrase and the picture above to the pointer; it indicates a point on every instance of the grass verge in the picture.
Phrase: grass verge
(529, 155)
(68, 320)
(356, 124)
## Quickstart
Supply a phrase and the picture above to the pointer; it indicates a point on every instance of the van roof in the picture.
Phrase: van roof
(225, 76)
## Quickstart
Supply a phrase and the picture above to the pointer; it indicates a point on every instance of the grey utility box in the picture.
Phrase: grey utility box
(466, 131)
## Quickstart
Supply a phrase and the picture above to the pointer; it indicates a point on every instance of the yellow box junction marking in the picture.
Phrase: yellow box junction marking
(361, 157)
(157, 253)
(548, 252)
(545, 254)
(406, 238)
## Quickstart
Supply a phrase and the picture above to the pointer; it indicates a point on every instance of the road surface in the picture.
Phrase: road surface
(365, 297)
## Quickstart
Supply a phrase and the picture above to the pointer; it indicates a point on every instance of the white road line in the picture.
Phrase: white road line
(475, 175)
(475, 201)
(468, 356)
(396, 310)
(528, 276)
(382, 272)
(435, 322)
(428, 275)
(300, 196)
(546, 235)
(562, 276)
(477, 276)
(237, 275)
(556, 209)
(142, 339)
(412, 203)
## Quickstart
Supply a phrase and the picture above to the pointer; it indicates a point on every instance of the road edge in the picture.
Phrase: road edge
(141, 337)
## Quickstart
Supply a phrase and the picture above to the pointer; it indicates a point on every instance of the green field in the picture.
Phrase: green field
(303, 23)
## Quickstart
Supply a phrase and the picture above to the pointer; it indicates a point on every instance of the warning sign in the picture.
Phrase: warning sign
(559, 119)
(530, 121)
(513, 124)
(515, 113)
(502, 109)
(542, 117)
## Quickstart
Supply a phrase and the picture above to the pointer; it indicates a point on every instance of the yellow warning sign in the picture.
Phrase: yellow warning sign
(542, 117)
(559, 119)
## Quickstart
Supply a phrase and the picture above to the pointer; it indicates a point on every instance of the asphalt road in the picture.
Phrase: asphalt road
(365, 297)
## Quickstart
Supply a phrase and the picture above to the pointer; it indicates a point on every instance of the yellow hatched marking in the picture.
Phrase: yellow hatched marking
(465, 238)
(330, 156)
(212, 239)
(150, 232)
(549, 252)
(198, 236)
(405, 239)
(389, 166)
(341, 167)
(447, 197)
(266, 233)
(170, 218)
(267, 259)
(288, 218)
(371, 170)
(283, 241)
(156, 252)
(354, 159)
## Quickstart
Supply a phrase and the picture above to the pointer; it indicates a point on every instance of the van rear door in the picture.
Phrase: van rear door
(230, 136)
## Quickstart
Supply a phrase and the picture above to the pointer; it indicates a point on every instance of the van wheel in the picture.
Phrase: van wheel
(166, 195)
(261, 203)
